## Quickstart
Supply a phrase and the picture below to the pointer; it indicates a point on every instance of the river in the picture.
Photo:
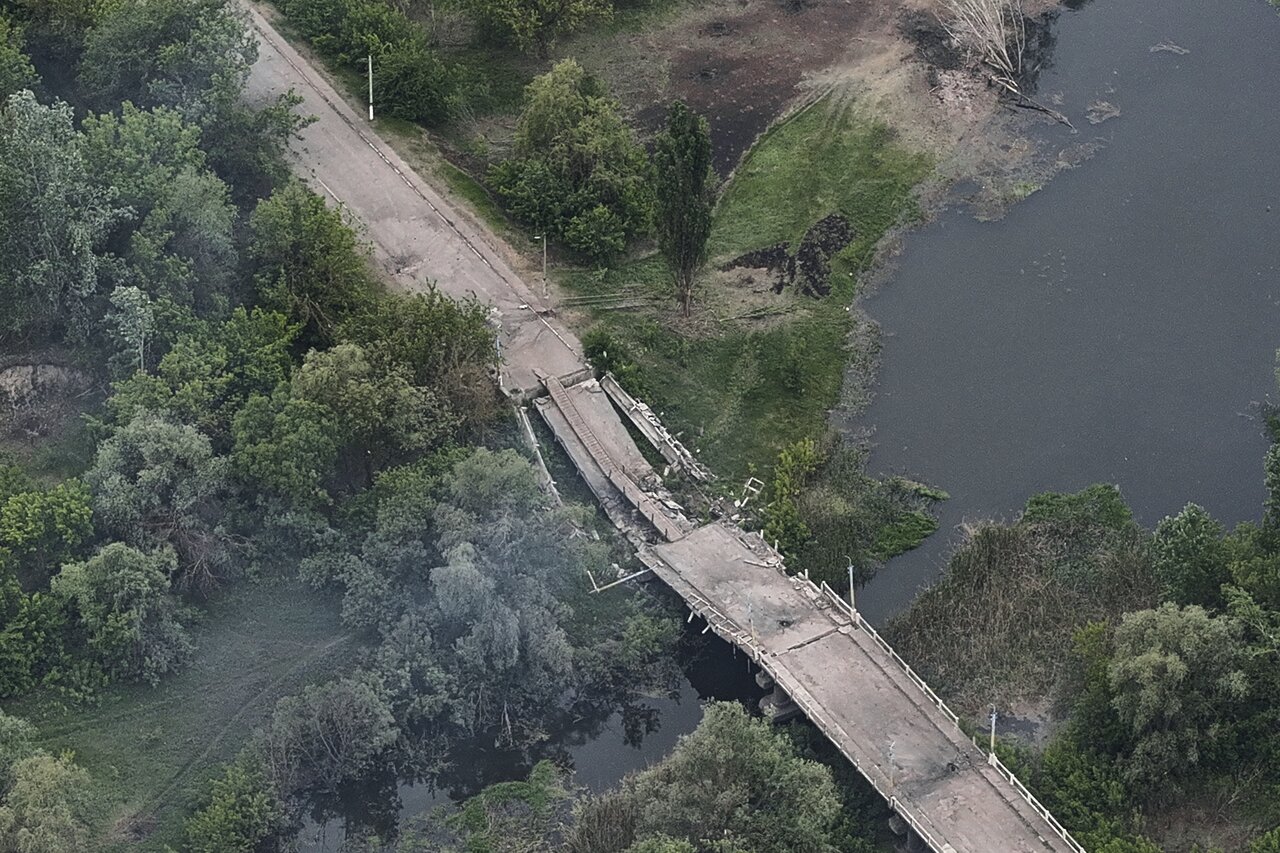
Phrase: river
(1121, 324)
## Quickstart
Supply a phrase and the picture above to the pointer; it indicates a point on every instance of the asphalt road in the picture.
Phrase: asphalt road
(417, 235)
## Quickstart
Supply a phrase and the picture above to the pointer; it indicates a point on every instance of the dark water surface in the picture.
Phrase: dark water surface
(600, 750)
(1121, 324)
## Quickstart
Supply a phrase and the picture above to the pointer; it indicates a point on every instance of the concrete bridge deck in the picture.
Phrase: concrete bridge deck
(850, 684)
(814, 646)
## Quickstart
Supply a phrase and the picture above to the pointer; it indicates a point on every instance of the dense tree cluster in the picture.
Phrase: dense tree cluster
(577, 172)
(1163, 646)
(735, 784)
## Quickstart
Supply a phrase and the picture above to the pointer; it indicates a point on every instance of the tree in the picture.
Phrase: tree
(239, 815)
(178, 241)
(737, 781)
(133, 319)
(1268, 842)
(48, 808)
(1190, 557)
(53, 219)
(538, 23)
(41, 529)
(329, 734)
(17, 739)
(33, 643)
(377, 413)
(1177, 677)
(285, 446)
(685, 195)
(157, 483)
(577, 172)
(170, 53)
(209, 374)
(122, 597)
(310, 266)
(446, 345)
(16, 71)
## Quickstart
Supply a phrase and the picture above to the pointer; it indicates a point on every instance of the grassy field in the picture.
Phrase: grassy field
(150, 751)
(742, 389)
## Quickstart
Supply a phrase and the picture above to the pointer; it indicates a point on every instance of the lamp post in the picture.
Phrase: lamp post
(852, 604)
(370, 87)
(543, 239)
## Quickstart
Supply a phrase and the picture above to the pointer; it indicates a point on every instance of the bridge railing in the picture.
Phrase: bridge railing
(919, 682)
(1035, 804)
(1021, 789)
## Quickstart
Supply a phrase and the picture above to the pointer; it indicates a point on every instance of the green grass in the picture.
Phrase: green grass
(740, 393)
(904, 533)
(150, 751)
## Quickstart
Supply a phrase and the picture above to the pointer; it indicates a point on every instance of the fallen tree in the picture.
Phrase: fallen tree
(995, 31)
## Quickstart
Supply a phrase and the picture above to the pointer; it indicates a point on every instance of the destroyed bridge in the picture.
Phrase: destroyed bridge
(815, 650)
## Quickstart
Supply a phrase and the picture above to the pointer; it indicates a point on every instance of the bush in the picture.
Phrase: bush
(410, 80)
(241, 812)
(610, 354)
(578, 173)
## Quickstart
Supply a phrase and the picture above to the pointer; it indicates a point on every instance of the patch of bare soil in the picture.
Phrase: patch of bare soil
(809, 269)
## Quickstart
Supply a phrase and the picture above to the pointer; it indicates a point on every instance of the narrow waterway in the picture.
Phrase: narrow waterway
(600, 750)
(1119, 325)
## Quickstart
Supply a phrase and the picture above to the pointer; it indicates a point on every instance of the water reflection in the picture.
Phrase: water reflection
(601, 746)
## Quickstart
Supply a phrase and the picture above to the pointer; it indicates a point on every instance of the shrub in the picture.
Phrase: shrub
(578, 173)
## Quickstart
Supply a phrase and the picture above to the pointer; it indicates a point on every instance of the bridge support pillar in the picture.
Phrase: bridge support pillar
(914, 843)
(777, 705)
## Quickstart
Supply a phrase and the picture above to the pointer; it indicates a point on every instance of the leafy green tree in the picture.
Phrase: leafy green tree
(329, 734)
(577, 172)
(209, 374)
(133, 318)
(446, 345)
(53, 220)
(122, 597)
(685, 196)
(310, 266)
(1268, 842)
(16, 70)
(1191, 557)
(157, 483)
(41, 529)
(48, 807)
(178, 241)
(377, 413)
(1177, 677)
(539, 23)
(33, 649)
(285, 446)
(782, 521)
(240, 814)
(736, 780)
(170, 53)
(17, 741)
(411, 82)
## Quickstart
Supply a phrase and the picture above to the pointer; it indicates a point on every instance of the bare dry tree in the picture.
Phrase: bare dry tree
(996, 32)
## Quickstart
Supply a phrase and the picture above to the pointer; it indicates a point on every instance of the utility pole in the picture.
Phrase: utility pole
(993, 729)
(543, 239)
(370, 87)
